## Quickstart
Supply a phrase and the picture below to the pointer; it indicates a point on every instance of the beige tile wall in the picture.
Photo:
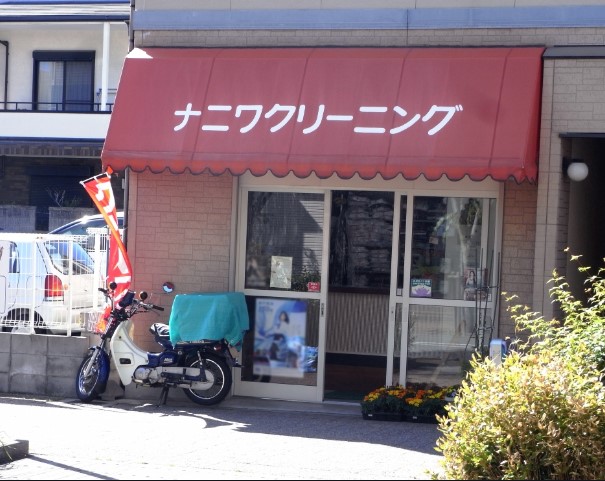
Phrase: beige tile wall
(179, 230)
(573, 101)
(518, 241)
(371, 38)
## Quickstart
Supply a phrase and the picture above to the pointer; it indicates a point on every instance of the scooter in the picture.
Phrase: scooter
(202, 369)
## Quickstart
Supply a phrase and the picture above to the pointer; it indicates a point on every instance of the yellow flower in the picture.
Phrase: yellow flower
(415, 399)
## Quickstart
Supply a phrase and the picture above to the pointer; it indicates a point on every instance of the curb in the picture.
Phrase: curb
(13, 450)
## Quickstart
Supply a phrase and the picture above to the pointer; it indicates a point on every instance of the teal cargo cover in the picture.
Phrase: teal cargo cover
(209, 316)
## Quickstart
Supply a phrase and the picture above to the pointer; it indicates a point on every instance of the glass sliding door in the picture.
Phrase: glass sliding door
(282, 267)
(451, 288)
(361, 239)
(351, 289)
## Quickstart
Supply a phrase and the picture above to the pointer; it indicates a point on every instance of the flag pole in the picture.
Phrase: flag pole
(107, 173)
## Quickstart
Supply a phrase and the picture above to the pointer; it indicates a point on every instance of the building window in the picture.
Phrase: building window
(284, 240)
(63, 81)
(360, 241)
(452, 251)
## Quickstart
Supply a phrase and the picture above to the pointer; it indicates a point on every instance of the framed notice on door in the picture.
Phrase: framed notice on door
(421, 287)
(281, 272)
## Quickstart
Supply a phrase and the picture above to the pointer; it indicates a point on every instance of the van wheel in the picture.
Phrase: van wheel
(39, 326)
(22, 315)
(16, 329)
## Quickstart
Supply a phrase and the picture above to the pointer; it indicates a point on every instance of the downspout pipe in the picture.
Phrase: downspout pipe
(5, 43)
(127, 169)
(105, 65)
(130, 27)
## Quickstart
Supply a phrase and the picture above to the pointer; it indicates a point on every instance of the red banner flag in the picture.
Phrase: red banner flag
(118, 265)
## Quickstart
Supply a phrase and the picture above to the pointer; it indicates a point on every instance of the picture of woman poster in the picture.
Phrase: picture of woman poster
(470, 284)
(474, 284)
(280, 326)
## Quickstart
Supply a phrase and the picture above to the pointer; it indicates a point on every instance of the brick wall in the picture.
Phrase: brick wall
(518, 249)
(573, 101)
(477, 37)
(18, 164)
(179, 230)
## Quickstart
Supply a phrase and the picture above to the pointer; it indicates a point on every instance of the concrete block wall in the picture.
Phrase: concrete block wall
(58, 216)
(40, 364)
(17, 218)
(47, 366)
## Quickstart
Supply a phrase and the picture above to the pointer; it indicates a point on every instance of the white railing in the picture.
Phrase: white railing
(53, 125)
(49, 283)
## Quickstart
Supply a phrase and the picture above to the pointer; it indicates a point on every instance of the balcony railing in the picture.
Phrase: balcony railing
(76, 107)
(22, 120)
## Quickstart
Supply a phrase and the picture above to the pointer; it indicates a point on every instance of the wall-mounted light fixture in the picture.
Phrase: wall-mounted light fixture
(576, 169)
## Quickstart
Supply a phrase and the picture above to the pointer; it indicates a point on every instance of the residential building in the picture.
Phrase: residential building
(376, 152)
(60, 62)
(372, 175)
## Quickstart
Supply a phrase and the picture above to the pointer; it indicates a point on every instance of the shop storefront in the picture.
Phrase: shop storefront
(367, 197)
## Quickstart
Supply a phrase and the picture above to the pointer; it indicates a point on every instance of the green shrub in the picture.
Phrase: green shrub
(541, 413)
(532, 418)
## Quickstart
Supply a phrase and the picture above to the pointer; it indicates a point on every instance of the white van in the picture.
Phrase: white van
(47, 279)
(92, 232)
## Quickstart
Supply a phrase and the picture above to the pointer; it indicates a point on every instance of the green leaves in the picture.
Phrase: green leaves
(541, 413)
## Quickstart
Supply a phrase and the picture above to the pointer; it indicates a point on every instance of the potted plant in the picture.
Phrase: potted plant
(424, 403)
(414, 402)
(384, 403)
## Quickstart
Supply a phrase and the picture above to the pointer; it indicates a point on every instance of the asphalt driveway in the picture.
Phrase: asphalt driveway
(240, 439)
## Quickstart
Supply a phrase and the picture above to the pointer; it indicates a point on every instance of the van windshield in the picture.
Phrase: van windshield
(59, 254)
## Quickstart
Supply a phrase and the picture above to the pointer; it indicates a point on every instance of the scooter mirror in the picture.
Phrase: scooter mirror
(143, 295)
(113, 285)
(168, 287)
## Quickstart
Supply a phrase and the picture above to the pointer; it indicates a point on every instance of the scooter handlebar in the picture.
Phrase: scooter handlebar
(140, 302)
(148, 306)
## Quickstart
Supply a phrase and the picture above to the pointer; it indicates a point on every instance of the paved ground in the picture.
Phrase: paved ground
(240, 439)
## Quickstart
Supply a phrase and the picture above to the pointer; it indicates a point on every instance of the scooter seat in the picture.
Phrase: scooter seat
(161, 333)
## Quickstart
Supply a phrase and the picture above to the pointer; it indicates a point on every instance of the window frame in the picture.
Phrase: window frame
(63, 56)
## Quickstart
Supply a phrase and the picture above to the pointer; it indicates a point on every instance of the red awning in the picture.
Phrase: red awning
(366, 111)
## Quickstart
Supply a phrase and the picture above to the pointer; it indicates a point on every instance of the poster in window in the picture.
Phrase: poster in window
(421, 288)
(475, 284)
(279, 337)
(281, 272)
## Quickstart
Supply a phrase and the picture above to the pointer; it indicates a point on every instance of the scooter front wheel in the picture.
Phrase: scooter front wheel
(217, 384)
(92, 376)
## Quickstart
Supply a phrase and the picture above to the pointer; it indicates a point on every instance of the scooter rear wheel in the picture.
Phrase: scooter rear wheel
(89, 386)
(218, 383)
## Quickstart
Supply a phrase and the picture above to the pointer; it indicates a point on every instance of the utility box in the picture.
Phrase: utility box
(497, 351)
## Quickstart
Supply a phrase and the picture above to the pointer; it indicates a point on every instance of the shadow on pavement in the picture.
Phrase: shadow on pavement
(419, 437)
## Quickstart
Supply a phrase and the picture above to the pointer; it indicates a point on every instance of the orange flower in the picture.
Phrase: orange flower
(414, 399)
